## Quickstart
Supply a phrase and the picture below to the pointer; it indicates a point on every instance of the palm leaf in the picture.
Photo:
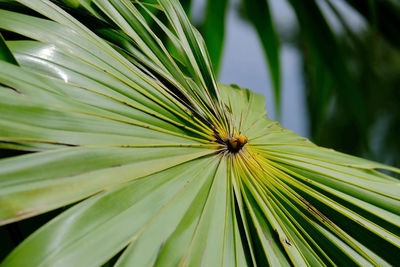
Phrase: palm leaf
(259, 14)
(148, 151)
(326, 61)
(383, 15)
(213, 29)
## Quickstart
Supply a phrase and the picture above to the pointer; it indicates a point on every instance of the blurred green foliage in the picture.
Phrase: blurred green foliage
(352, 78)
(375, 66)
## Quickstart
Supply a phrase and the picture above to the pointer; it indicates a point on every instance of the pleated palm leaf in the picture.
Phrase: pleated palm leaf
(157, 162)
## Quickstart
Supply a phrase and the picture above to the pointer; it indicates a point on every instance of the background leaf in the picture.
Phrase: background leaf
(213, 30)
(258, 13)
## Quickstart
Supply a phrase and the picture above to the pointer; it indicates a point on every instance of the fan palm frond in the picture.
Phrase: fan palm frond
(160, 164)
